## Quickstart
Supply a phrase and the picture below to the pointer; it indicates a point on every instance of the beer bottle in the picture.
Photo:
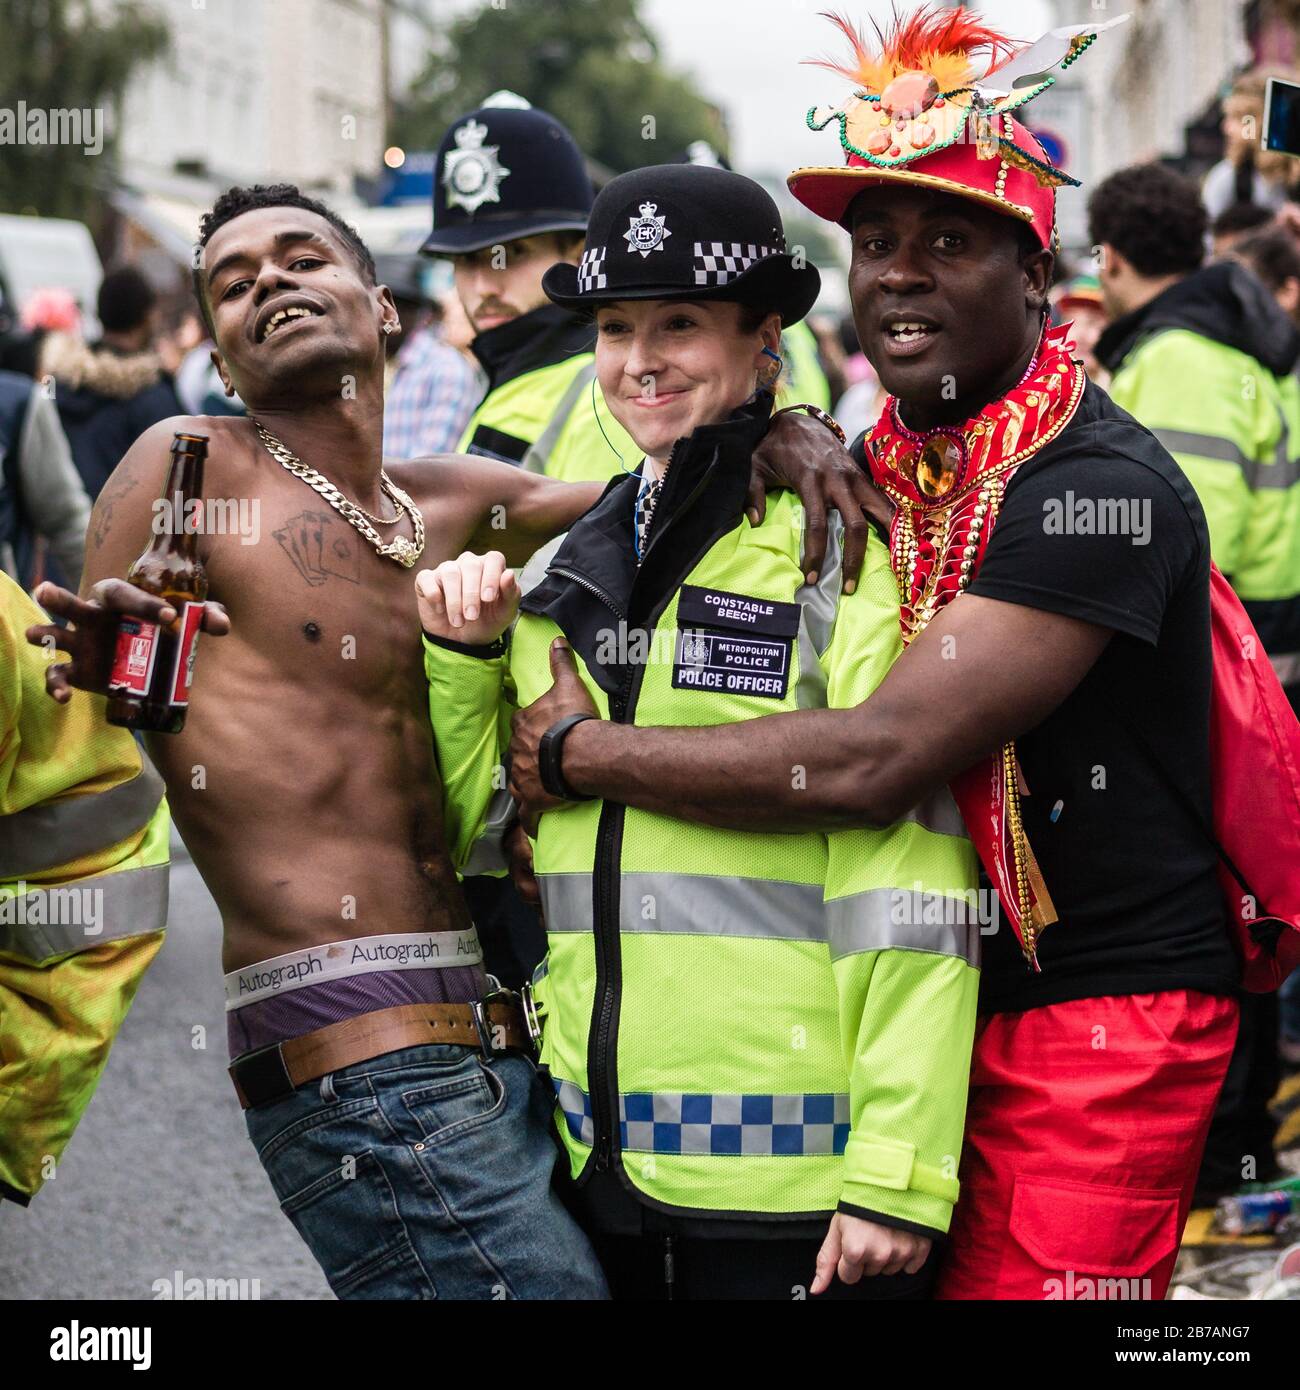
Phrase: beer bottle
(153, 665)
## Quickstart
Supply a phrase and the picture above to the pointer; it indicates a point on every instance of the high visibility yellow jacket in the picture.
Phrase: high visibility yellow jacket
(543, 410)
(1193, 366)
(755, 1025)
(802, 381)
(83, 899)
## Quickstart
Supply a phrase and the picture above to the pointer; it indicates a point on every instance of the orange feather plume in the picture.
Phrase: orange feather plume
(934, 41)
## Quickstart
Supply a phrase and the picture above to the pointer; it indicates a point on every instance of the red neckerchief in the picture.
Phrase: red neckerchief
(947, 486)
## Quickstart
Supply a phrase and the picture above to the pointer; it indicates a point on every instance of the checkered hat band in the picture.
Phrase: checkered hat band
(672, 1122)
(591, 270)
(716, 262)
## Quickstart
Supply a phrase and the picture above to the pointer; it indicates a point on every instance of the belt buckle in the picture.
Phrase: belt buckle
(483, 1023)
(532, 1019)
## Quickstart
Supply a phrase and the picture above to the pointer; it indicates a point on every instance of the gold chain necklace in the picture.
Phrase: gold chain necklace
(399, 548)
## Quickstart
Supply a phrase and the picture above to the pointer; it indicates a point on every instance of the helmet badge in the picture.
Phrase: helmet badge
(471, 173)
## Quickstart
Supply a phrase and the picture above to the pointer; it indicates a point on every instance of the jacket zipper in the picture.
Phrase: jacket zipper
(601, 1073)
(603, 1103)
(590, 587)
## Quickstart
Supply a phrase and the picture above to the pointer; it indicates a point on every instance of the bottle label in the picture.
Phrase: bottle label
(134, 658)
(188, 623)
(137, 652)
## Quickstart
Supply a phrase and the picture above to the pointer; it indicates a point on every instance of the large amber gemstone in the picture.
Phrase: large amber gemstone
(939, 466)
(909, 94)
(879, 141)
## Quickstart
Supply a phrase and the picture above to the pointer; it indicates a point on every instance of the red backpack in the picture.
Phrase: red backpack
(1255, 787)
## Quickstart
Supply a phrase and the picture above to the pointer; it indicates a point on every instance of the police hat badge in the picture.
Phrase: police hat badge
(647, 232)
(472, 173)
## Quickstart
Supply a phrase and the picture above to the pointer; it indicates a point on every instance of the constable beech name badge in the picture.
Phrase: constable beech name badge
(733, 644)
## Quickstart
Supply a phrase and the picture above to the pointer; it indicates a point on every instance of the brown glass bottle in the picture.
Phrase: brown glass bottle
(153, 665)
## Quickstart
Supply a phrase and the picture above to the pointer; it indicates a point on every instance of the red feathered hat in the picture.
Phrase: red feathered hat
(921, 116)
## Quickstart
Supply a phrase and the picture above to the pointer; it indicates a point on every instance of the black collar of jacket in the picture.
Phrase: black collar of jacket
(1223, 302)
(703, 498)
(540, 338)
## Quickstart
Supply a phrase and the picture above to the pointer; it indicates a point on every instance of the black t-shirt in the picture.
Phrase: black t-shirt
(1103, 526)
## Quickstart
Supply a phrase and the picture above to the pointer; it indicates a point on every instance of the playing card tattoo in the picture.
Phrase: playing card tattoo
(321, 545)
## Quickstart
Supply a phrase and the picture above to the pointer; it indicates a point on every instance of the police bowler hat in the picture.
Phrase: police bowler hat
(505, 172)
(686, 231)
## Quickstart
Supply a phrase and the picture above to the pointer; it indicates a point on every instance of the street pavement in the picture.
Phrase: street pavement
(160, 1176)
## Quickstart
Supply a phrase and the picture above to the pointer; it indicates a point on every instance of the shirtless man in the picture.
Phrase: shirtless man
(401, 1121)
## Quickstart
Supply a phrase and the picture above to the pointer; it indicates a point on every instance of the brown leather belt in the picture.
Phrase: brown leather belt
(494, 1026)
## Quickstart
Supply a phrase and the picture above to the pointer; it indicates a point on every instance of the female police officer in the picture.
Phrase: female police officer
(759, 1043)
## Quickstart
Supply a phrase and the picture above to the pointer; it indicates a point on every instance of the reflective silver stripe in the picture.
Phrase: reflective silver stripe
(897, 919)
(59, 832)
(1285, 470)
(691, 905)
(1282, 473)
(538, 455)
(488, 853)
(938, 812)
(1206, 446)
(702, 905)
(566, 901)
(76, 916)
(818, 604)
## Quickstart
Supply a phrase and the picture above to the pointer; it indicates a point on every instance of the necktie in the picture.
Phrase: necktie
(645, 509)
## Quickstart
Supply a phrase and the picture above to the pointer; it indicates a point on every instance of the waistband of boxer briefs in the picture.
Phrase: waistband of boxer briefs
(361, 955)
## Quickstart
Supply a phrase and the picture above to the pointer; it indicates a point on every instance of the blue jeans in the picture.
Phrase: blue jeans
(426, 1173)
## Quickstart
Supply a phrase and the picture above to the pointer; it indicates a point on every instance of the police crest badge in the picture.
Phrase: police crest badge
(695, 649)
(472, 173)
(646, 233)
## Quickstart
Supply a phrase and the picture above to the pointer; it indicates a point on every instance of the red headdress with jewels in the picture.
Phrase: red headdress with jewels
(926, 111)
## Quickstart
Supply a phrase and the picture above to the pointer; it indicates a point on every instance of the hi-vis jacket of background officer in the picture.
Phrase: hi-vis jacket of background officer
(1207, 367)
(543, 410)
(83, 898)
(753, 1025)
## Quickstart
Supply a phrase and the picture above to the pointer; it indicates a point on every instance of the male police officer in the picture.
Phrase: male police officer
(511, 197)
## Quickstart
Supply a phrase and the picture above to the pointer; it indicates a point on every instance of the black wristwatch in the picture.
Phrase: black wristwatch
(549, 751)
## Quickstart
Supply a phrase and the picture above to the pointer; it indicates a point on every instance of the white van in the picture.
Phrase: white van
(39, 253)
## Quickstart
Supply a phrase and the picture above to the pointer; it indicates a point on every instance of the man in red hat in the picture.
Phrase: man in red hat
(1080, 651)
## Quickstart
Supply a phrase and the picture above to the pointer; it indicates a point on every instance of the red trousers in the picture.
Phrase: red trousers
(1084, 1134)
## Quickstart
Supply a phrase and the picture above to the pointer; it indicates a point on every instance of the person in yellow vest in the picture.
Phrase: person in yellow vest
(83, 896)
(511, 197)
(731, 1016)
